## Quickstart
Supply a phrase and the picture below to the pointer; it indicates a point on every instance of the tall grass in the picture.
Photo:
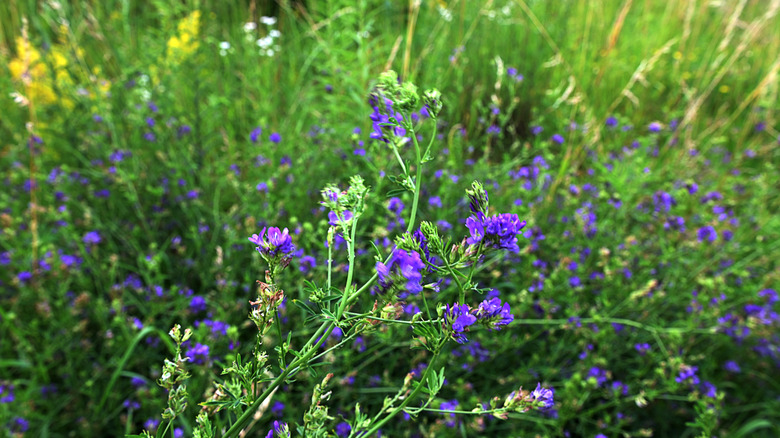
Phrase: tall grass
(152, 148)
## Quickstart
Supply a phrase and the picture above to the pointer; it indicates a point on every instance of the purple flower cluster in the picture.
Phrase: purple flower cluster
(499, 231)
(458, 318)
(490, 312)
(273, 243)
(494, 313)
(198, 353)
(403, 265)
(380, 118)
(279, 429)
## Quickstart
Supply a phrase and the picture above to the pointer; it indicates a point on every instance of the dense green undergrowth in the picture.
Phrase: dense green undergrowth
(143, 143)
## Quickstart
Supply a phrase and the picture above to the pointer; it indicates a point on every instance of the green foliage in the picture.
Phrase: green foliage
(134, 121)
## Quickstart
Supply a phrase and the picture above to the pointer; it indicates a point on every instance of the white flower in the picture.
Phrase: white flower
(224, 45)
(268, 21)
(265, 42)
(249, 27)
(273, 33)
(19, 99)
(445, 13)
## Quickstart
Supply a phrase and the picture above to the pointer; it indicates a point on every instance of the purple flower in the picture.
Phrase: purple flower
(277, 409)
(493, 313)
(450, 406)
(402, 265)
(708, 389)
(7, 394)
(543, 397)
(275, 137)
(19, 425)
(131, 404)
(343, 429)
(197, 304)
(499, 231)
(611, 122)
(688, 373)
(151, 424)
(274, 243)
(654, 127)
(707, 233)
(92, 238)
(306, 263)
(280, 429)
(255, 134)
(24, 276)
(198, 354)
(557, 138)
(599, 374)
(333, 218)
(731, 366)
(458, 318)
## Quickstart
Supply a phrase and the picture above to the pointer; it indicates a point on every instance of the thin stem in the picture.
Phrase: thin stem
(330, 261)
(350, 272)
(400, 160)
(411, 396)
(281, 338)
(418, 178)
(628, 322)
(292, 369)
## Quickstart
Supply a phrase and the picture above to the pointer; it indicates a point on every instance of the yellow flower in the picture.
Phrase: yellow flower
(186, 42)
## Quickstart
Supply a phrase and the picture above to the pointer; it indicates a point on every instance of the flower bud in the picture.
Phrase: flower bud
(478, 198)
(432, 100)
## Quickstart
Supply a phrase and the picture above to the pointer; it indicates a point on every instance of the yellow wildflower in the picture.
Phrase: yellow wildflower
(186, 42)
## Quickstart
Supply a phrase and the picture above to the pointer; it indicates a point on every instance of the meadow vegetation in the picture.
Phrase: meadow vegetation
(379, 218)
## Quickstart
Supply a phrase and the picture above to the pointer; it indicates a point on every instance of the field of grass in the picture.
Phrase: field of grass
(578, 238)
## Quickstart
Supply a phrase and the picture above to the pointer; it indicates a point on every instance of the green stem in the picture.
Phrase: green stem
(411, 396)
(281, 338)
(628, 322)
(461, 292)
(291, 369)
(417, 180)
(350, 272)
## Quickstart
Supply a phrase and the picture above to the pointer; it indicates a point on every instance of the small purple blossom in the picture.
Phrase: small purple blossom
(544, 397)
(274, 243)
(707, 233)
(343, 429)
(255, 134)
(92, 238)
(403, 265)
(198, 354)
(458, 318)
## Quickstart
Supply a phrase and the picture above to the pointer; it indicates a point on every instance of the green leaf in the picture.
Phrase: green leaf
(305, 307)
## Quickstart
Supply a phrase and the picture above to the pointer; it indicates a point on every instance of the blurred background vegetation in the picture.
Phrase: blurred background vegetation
(135, 120)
